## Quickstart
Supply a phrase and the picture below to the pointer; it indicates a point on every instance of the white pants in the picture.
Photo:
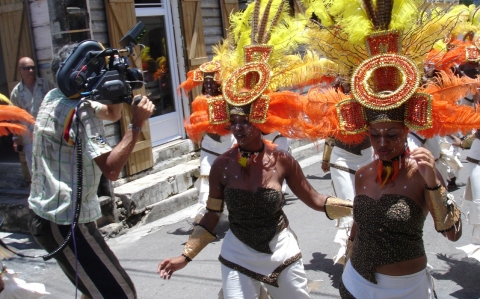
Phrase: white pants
(472, 191)
(292, 284)
(413, 286)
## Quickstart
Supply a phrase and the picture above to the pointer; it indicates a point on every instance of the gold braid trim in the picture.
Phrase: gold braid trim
(214, 205)
(443, 208)
(327, 149)
(337, 208)
(467, 142)
(199, 238)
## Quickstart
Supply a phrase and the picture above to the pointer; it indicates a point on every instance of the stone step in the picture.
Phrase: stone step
(165, 156)
(137, 195)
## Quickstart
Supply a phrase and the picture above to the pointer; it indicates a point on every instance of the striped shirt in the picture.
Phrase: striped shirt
(54, 182)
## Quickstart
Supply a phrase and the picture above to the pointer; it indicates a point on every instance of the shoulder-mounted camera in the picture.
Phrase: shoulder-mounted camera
(102, 75)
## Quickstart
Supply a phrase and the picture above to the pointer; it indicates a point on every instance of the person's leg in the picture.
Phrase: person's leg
(236, 285)
(28, 149)
(292, 283)
(88, 262)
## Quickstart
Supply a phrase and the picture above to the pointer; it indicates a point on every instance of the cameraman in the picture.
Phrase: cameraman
(87, 256)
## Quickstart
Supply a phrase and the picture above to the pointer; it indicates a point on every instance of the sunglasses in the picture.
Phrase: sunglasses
(27, 68)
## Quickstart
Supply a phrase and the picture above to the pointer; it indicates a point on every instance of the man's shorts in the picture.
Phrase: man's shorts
(99, 272)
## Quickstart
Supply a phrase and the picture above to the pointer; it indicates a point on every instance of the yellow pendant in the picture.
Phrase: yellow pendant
(243, 161)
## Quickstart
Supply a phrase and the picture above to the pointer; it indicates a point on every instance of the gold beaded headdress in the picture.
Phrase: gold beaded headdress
(385, 43)
(210, 69)
(258, 59)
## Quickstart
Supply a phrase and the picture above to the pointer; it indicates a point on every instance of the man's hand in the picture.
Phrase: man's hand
(142, 111)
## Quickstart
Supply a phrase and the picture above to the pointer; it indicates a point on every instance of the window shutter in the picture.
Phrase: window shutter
(120, 18)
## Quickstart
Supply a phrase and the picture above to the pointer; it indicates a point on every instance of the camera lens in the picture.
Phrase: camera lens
(135, 77)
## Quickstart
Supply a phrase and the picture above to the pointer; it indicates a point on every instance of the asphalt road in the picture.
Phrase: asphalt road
(142, 248)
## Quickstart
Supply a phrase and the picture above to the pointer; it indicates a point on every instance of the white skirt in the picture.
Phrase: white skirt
(413, 286)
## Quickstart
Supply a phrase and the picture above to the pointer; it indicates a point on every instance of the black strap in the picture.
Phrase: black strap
(343, 168)
(210, 152)
(419, 138)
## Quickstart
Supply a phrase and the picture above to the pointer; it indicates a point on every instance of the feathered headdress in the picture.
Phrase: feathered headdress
(14, 120)
(385, 43)
(258, 61)
(196, 77)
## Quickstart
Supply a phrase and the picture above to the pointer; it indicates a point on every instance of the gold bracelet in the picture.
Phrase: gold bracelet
(327, 149)
(337, 208)
(198, 240)
(444, 211)
(467, 142)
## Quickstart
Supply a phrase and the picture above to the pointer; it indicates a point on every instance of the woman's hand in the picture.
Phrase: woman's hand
(170, 265)
(426, 165)
(325, 166)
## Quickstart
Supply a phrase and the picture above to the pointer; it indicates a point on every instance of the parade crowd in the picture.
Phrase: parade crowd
(393, 89)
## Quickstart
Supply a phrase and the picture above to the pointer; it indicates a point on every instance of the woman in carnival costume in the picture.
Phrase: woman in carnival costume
(212, 145)
(396, 191)
(260, 247)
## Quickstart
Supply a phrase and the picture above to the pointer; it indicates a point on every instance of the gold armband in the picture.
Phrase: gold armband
(337, 208)
(199, 238)
(327, 149)
(467, 142)
(443, 208)
(215, 205)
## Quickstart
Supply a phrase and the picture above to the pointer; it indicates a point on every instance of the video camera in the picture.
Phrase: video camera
(100, 74)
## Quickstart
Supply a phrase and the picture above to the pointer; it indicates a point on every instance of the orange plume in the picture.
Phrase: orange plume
(15, 114)
(188, 84)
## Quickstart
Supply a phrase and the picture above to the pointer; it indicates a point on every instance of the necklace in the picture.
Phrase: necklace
(389, 169)
(245, 157)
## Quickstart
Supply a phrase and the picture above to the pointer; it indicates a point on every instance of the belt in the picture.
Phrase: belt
(210, 152)
(343, 168)
(472, 160)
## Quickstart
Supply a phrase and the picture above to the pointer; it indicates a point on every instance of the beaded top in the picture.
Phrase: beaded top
(389, 230)
(256, 217)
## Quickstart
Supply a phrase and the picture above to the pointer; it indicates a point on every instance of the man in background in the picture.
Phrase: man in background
(28, 94)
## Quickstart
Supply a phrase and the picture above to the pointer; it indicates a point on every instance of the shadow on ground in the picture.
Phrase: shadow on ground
(220, 230)
(320, 263)
(327, 176)
(460, 271)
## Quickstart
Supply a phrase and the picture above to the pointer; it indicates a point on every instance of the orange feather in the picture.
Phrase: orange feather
(15, 114)
(7, 128)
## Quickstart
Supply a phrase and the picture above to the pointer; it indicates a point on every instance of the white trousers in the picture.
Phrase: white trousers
(292, 284)
(413, 286)
(472, 191)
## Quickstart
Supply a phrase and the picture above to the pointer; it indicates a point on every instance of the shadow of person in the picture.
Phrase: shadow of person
(464, 272)
(221, 229)
(326, 176)
(320, 263)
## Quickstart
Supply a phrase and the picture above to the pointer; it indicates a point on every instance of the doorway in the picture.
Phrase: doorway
(159, 63)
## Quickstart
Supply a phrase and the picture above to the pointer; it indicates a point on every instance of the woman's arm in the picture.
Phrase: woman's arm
(204, 232)
(445, 213)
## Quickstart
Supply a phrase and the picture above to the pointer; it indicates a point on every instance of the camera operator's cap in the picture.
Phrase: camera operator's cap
(210, 69)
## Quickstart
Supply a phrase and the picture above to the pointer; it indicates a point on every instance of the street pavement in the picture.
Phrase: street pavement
(141, 249)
